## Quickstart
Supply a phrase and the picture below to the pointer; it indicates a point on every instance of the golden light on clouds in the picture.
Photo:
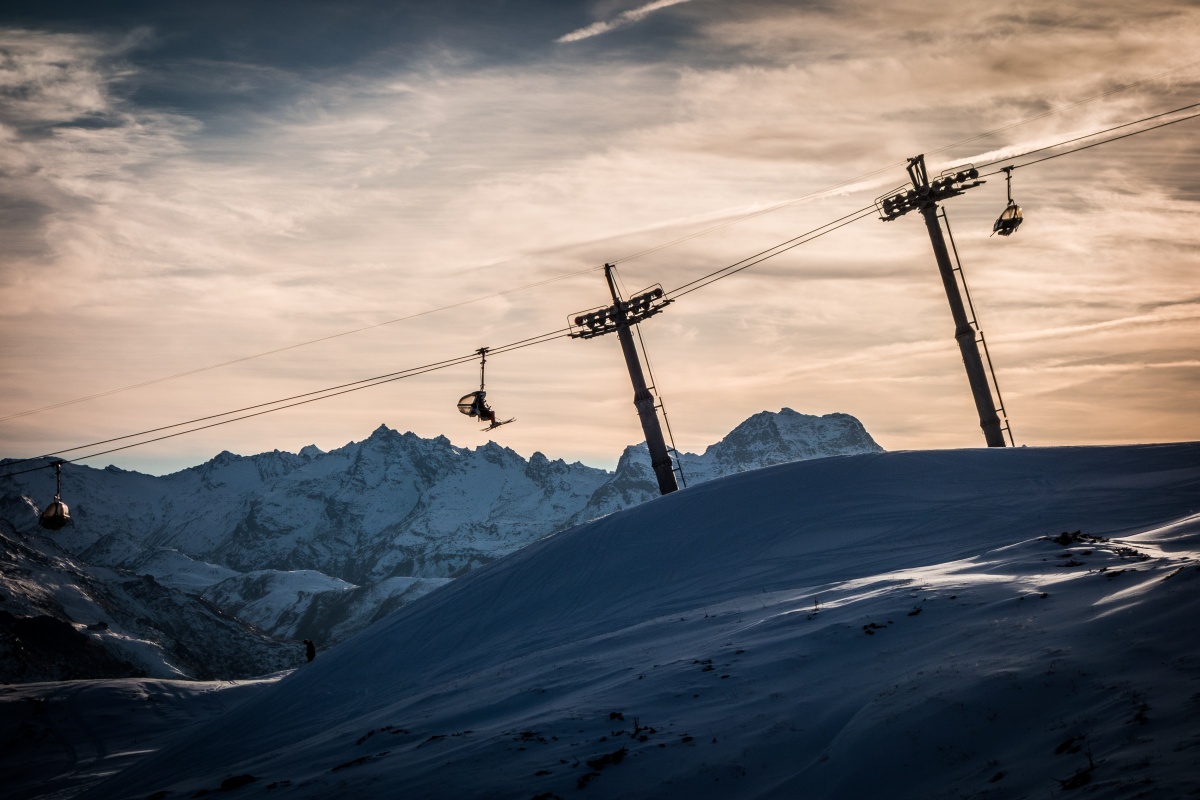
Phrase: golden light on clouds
(165, 212)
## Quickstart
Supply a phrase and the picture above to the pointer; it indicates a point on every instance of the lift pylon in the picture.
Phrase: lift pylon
(924, 197)
(619, 317)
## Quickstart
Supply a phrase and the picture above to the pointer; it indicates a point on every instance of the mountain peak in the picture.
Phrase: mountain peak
(769, 438)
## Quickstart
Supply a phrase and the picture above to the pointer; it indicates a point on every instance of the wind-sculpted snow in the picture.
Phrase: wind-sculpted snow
(1004, 623)
(392, 506)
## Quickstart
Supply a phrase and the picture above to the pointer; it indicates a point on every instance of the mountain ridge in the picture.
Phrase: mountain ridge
(313, 544)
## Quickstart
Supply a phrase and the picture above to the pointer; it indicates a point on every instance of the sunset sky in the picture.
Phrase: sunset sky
(188, 184)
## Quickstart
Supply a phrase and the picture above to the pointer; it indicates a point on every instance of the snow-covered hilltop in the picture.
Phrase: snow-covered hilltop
(983, 623)
(317, 545)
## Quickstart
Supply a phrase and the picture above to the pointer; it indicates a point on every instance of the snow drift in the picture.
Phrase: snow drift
(1002, 623)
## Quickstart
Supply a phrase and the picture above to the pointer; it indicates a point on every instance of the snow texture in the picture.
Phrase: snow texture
(985, 623)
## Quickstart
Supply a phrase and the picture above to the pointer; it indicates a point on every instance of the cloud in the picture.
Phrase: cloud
(623, 19)
(173, 235)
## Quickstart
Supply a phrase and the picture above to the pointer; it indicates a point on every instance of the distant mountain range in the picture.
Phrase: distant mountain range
(318, 545)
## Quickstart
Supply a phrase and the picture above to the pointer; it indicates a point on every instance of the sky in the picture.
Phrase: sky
(186, 185)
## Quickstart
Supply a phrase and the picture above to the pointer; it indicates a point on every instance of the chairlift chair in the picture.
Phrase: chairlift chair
(56, 516)
(475, 404)
(1011, 217)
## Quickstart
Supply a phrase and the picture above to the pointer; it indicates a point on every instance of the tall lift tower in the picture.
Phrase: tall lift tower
(619, 317)
(924, 197)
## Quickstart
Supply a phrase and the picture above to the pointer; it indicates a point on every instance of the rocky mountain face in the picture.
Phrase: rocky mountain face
(319, 544)
(61, 619)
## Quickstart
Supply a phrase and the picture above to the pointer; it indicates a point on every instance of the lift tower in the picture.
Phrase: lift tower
(619, 317)
(924, 197)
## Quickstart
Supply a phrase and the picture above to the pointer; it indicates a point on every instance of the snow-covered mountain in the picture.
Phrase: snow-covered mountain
(61, 619)
(316, 545)
(764, 440)
(980, 623)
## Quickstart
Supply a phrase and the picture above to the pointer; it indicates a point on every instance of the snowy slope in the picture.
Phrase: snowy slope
(60, 738)
(991, 623)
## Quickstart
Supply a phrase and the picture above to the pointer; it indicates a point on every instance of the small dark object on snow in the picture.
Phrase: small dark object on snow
(1072, 744)
(310, 649)
(236, 782)
(608, 759)
(1078, 537)
(1082, 776)
(359, 761)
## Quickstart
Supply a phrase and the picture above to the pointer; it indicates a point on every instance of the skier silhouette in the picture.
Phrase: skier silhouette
(310, 649)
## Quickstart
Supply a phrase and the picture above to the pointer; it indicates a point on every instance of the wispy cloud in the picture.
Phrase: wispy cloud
(174, 235)
(620, 21)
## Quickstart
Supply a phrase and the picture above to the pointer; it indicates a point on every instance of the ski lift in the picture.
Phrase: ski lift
(475, 403)
(1010, 218)
(56, 516)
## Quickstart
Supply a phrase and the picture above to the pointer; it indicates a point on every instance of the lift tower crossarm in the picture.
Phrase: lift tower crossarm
(619, 317)
(924, 197)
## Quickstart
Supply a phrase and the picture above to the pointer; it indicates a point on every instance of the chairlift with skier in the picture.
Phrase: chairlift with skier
(475, 403)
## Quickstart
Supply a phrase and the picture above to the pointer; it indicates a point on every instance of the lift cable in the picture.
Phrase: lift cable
(632, 256)
(687, 288)
(1088, 146)
(334, 391)
(1064, 108)
(298, 344)
(889, 167)
(275, 405)
(771, 252)
(1101, 133)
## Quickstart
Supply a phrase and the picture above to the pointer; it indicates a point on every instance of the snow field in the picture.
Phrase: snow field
(903, 625)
